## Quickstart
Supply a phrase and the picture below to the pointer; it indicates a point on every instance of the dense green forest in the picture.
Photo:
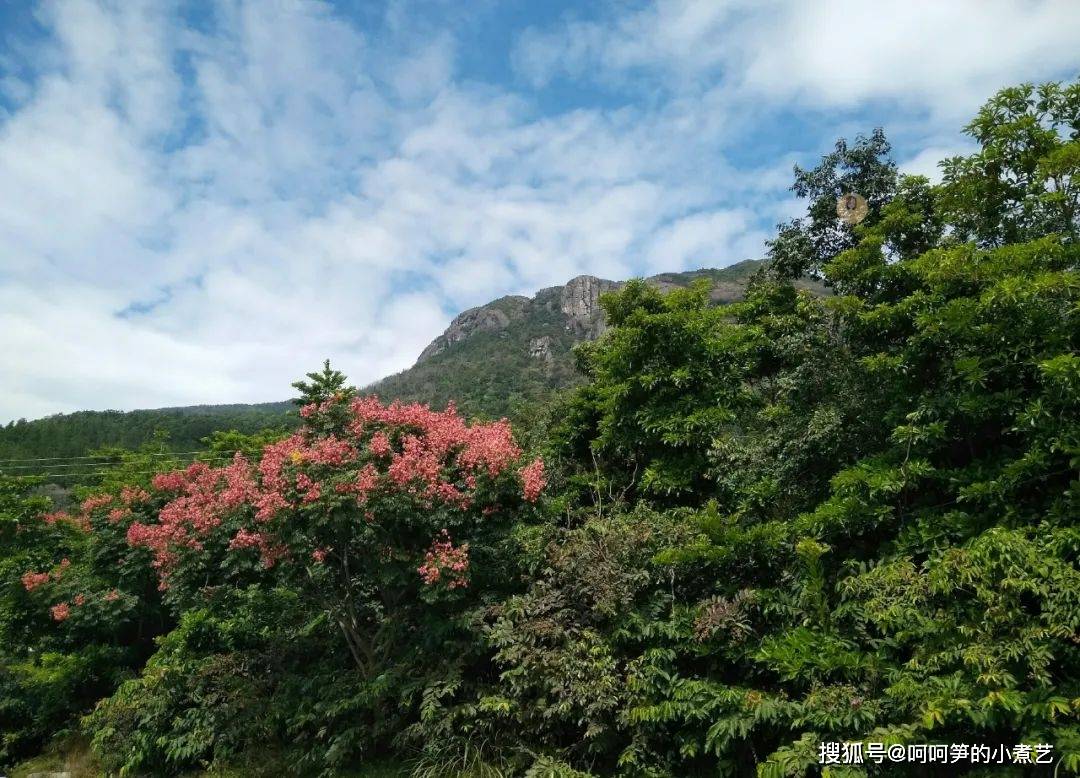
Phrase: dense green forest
(181, 429)
(752, 529)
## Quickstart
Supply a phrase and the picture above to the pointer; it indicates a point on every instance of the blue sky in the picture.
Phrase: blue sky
(199, 201)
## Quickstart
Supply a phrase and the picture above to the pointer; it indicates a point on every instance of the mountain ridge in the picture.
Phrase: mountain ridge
(495, 359)
(492, 360)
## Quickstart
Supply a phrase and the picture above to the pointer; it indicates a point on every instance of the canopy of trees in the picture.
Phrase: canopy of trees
(752, 529)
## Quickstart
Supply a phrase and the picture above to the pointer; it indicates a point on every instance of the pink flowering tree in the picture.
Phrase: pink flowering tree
(388, 528)
(385, 516)
(78, 609)
(90, 579)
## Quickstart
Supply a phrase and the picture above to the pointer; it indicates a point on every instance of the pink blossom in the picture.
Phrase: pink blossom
(488, 446)
(60, 611)
(168, 482)
(240, 487)
(96, 501)
(203, 496)
(31, 581)
(271, 496)
(268, 505)
(112, 596)
(119, 514)
(379, 444)
(330, 451)
(491, 446)
(311, 489)
(245, 538)
(436, 459)
(445, 562)
(132, 495)
(532, 479)
(319, 555)
(80, 599)
(367, 479)
(52, 518)
(308, 411)
(366, 482)
(328, 403)
(269, 552)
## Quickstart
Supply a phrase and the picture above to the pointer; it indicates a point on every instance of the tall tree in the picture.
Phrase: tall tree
(864, 167)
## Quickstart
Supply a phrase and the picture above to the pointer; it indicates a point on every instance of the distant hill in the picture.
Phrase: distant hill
(74, 434)
(495, 358)
(492, 360)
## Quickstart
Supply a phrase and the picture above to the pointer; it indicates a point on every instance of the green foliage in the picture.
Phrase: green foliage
(563, 645)
(882, 484)
(1022, 182)
(47, 676)
(327, 384)
(865, 168)
(791, 519)
(78, 434)
(213, 692)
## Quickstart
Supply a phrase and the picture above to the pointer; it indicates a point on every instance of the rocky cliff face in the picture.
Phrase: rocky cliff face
(516, 350)
(577, 306)
(578, 302)
(540, 348)
(485, 318)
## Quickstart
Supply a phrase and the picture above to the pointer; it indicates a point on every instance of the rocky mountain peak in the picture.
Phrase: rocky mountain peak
(574, 310)
(579, 302)
(484, 318)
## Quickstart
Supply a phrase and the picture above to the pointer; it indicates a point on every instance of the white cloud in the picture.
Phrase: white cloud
(296, 191)
(200, 213)
(944, 57)
(705, 240)
(925, 163)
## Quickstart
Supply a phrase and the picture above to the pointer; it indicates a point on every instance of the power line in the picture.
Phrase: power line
(110, 469)
(5, 468)
(106, 456)
(81, 475)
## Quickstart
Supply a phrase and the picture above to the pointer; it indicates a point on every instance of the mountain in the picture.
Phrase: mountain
(493, 360)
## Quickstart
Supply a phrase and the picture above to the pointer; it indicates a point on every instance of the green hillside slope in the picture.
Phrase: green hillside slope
(494, 365)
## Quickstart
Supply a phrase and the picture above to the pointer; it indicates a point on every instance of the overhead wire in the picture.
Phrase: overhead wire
(105, 456)
(93, 469)
(80, 475)
(6, 468)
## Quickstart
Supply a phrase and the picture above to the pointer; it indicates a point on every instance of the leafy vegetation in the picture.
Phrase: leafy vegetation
(55, 439)
(752, 528)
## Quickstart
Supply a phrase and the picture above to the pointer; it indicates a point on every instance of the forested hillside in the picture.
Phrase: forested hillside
(75, 434)
(751, 530)
(503, 358)
(496, 360)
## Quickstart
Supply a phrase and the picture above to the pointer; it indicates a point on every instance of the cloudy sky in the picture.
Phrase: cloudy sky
(200, 201)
